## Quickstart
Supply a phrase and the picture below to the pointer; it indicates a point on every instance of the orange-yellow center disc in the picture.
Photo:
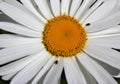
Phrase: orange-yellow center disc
(64, 36)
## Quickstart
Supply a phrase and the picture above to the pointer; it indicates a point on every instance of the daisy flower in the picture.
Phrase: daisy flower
(48, 37)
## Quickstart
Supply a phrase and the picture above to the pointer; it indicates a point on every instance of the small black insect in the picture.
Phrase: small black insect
(88, 24)
(56, 62)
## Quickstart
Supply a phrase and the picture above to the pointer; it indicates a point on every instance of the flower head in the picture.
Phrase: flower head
(49, 36)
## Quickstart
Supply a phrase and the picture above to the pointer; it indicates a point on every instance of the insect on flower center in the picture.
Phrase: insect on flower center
(64, 36)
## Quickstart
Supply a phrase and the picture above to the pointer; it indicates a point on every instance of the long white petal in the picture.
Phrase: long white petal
(16, 4)
(31, 70)
(54, 74)
(21, 16)
(102, 11)
(29, 5)
(112, 30)
(110, 42)
(73, 72)
(16, 52)
(44, 70)
(82, 9)
(101, 36)
(99, 73)
(55, 5)
(44, 8)
(106, 23)
(13, 40)
(19, 29)
(8, 76)
(113, 71)
(91, 10)
(65, 6)
(74, 6)
(26, 8)
(104, 54)
(18, 65)
(89, 78)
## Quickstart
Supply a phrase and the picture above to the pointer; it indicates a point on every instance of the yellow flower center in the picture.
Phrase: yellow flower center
(64, 36)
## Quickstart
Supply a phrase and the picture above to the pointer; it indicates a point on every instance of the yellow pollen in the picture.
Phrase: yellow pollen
(64, 36)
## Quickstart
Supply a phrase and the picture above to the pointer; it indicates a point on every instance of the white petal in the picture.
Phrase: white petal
(0, 0)
(82, 9)
(118, 76)
(13, 40)
(73, 72)
(106, 23)
(29, 5)
(26, 8)
(65, 6)
(16, 52)
(31, 70)
(102, 11)
(45, 68)
(21, 16)
(18, 65)
(74, 6)
(111, 42)
(55, 5)
(113, 71)
(19, 29)
(54, 74)
(16, 4)
(8, 76)
(104, 54)
(101, 36)
(99, 73)
(89, 78)
(44, 8)
(112, 30)
(97, 3)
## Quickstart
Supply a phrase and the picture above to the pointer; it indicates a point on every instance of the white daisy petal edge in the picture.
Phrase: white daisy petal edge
(31, 70)
(65, 4)
(82, 9)
(28, 4)
(74, 6)
(110, 41)
(44, 8)
(113, 71)
(73, 72)
(16, 52)
(47, 66)
(104, 54)
(18, 65)
(55, 6)
(21, 17)
(9, 76)
(54, 74)
(16, 4)
(99, 73)
(7, 40)
(19, 29)
(106, 8)
(103, 24)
